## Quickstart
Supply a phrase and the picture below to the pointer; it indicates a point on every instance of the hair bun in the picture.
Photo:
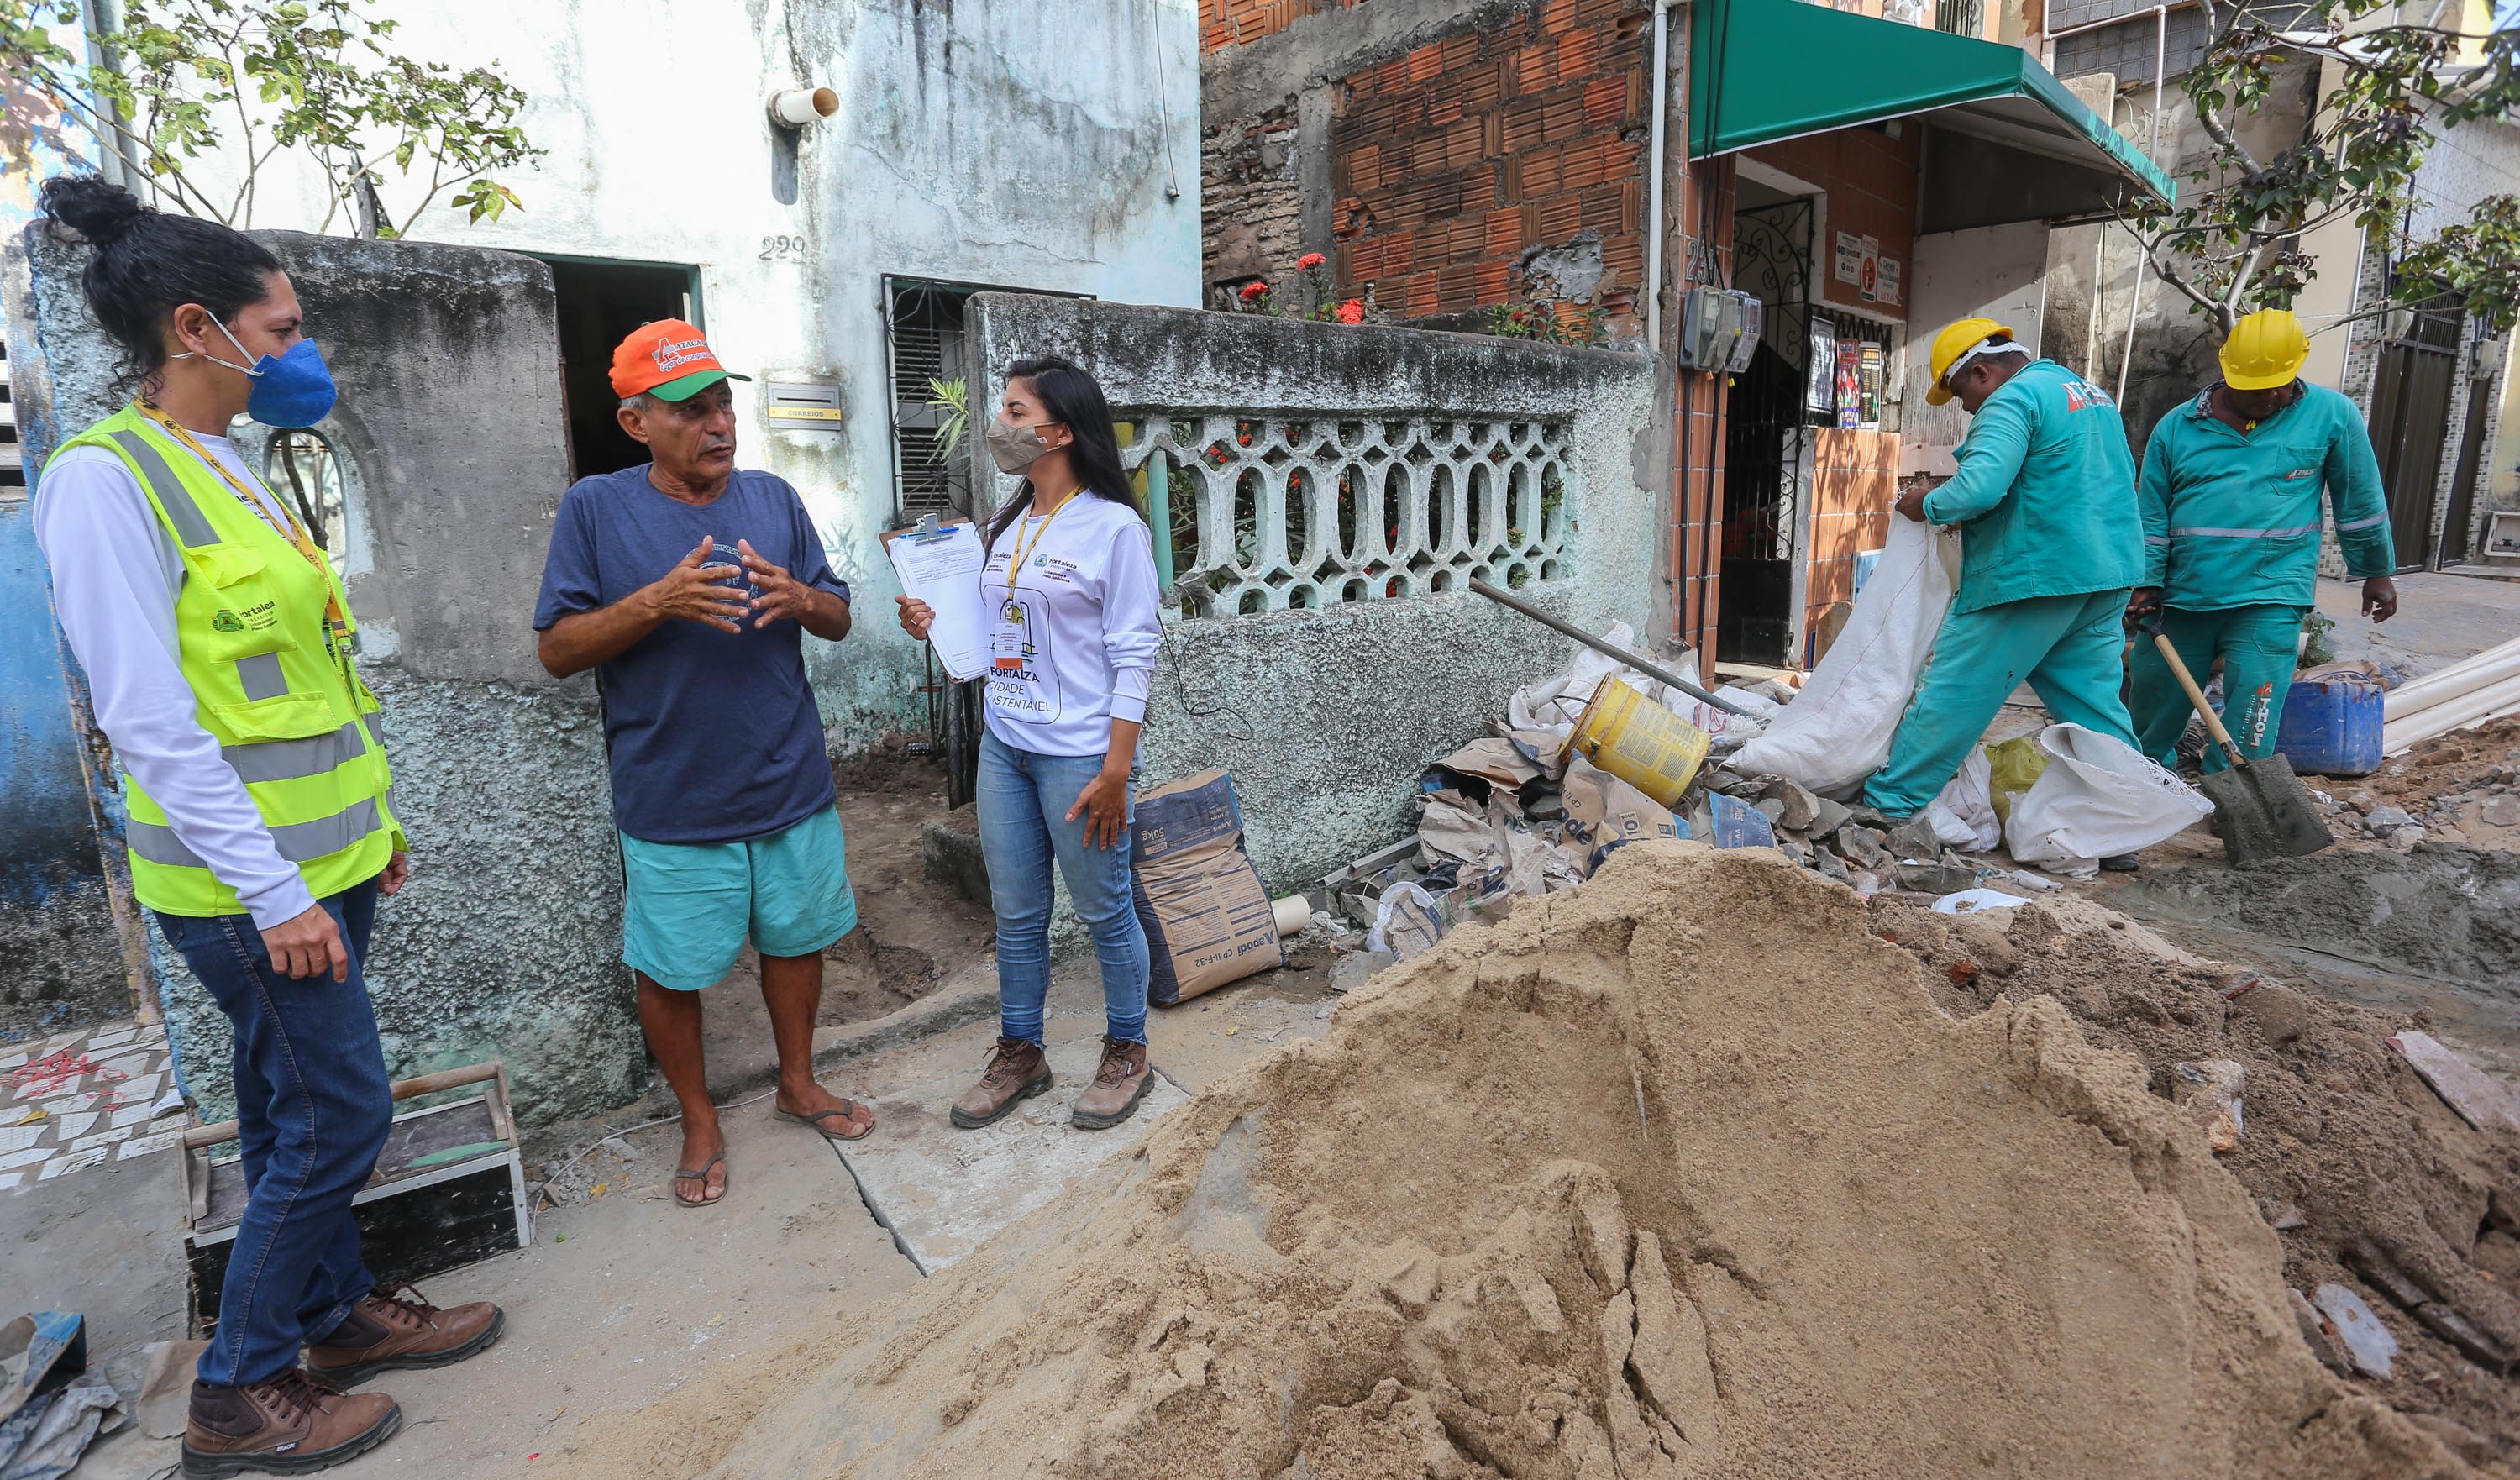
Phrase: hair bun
(94, 207)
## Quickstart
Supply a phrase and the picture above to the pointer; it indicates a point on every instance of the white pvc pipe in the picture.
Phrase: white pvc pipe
(2492, 702)
(797, 107)
(2470, 673)
(1654, 181)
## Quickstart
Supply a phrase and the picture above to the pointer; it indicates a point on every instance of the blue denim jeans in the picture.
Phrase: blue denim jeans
(313, 1106)
(1022, 800)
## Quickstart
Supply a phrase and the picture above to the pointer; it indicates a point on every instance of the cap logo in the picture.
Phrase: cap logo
(672, 354)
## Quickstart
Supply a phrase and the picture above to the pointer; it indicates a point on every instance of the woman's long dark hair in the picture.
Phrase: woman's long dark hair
(146, 263)
(1074, 399)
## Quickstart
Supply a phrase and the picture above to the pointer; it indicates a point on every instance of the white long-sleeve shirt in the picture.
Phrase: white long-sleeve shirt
(1092, 622)
(115, 578)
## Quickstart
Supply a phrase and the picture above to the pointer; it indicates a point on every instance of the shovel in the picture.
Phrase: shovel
(2260, 809)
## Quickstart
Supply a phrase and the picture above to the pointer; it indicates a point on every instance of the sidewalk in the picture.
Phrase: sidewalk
(2441, 619)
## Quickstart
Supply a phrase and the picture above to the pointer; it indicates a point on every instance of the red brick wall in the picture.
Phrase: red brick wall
(1872, 183)
(1449, 162)
(1855, 476)
(1240, 23)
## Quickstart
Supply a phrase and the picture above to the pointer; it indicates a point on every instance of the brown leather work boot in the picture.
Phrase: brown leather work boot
(1017, 1071)
(1122, 1079)
(289, 1425)
(386, 1332)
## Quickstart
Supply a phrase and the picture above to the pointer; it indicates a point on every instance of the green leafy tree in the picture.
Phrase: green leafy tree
(2232, 244)
(204, 95)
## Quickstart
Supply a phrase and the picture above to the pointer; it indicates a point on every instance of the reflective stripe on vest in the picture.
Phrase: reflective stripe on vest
(2202, 532)
(189, 526)
(295, 759)
(299, 842)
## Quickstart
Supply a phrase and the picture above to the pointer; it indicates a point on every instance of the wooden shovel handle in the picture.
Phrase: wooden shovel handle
(2196, 697)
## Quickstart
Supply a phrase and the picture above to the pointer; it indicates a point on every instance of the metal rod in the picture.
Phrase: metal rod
(488, 1070)
(1569, 629)
(1653, 183)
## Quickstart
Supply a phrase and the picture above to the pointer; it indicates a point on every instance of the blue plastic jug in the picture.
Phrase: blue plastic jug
(2331, 726)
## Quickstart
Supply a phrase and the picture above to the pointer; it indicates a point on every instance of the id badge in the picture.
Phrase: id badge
(1007, 646)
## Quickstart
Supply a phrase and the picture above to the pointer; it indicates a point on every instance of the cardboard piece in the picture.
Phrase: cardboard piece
(1493, 760)
(1208, 920)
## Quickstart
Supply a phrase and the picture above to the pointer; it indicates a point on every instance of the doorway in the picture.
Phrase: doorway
(2410, 400)
(600, 303)
(1766, 454)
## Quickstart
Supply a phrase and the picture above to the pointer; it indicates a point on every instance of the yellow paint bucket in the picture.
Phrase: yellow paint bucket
(1639, 741)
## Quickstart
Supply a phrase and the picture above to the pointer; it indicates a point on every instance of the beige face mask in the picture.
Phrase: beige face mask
(1014, 448)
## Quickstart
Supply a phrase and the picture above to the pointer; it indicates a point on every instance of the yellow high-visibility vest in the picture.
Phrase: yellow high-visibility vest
(285, 707)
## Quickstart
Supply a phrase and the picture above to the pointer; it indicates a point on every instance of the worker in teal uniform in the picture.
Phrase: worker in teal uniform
(2231, 497)
(2045, 497)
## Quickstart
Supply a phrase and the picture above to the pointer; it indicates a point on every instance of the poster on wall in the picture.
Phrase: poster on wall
(1820, 369)
(1869, 283)
(1849, 263)
(1889, 282)
(1849, 383)
(1871, 374)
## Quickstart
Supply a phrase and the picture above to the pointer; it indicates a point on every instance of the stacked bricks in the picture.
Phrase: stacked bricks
(1452, 160)
(1240, 23)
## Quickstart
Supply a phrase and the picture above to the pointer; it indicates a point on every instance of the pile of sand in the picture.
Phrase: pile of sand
(2346, 1144)
(1682, 1174)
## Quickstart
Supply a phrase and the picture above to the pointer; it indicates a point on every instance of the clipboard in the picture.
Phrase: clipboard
(941, 564)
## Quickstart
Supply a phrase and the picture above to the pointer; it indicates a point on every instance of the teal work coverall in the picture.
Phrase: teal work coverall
(2045, 498)
(2230, 535)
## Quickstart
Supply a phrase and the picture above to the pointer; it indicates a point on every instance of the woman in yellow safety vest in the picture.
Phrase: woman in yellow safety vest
(260, 828)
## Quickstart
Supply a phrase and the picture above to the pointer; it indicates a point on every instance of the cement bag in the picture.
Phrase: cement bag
(1837, 732)
(1207, 920)
(2096, 797)
(1963, 815)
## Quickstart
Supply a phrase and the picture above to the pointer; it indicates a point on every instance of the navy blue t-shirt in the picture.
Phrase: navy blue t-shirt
(713, 734)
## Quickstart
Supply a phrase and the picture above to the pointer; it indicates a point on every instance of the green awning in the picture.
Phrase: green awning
(1762, 72)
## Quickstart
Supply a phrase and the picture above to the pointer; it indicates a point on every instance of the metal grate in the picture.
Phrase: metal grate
(1960, 17)
(923, 332)
(12, 464)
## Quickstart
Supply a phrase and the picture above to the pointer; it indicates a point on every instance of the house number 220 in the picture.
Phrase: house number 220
(783, 249)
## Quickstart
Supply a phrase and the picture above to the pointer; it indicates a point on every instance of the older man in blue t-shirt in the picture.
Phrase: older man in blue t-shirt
(686, 584)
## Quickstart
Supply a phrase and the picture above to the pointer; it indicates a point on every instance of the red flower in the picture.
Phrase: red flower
(1352, 311)
(1310, 260)
(1252, 290)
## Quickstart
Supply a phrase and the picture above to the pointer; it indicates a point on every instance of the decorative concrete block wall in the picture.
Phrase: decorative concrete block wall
(1323, 649)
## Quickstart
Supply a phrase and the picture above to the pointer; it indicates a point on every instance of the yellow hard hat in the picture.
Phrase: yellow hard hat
(1957, 340)
(2266, 351)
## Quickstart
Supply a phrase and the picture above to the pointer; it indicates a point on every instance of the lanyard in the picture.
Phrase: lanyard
(1014, 568)
(292, 532)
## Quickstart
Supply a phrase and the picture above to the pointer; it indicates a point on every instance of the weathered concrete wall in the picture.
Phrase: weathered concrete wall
(1325, 717)
(507, 941)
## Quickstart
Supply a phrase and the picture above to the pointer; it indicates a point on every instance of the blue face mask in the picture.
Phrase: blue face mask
(292, 389)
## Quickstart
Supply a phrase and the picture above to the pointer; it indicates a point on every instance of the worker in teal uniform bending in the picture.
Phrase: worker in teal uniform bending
(2045, 498)
(2230, 499)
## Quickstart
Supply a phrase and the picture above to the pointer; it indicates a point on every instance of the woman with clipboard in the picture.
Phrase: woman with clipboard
(1068, 592)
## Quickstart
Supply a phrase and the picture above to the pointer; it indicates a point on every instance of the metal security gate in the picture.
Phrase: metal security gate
(2410, 417)
(1766, 445)
(2463, 481)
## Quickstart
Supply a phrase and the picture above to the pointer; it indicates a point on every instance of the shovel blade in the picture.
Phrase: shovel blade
(2262, 811)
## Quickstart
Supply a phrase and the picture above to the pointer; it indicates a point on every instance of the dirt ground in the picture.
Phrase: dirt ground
(1680, 1174)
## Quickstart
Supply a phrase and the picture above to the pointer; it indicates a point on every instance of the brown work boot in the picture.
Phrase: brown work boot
(386, 1332)
(1122, 1079)
(289, 1425)
(1017, 1071)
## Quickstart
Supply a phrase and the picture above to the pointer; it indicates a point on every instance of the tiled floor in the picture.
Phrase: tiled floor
(84, 1099)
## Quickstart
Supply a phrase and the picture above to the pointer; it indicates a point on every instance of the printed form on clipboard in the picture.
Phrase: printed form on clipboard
(940, 564)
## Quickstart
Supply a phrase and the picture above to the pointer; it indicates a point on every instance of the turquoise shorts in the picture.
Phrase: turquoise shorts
(692, 905)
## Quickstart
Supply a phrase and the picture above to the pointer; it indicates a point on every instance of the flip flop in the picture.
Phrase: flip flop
(843, 1114)
(700, 1176)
